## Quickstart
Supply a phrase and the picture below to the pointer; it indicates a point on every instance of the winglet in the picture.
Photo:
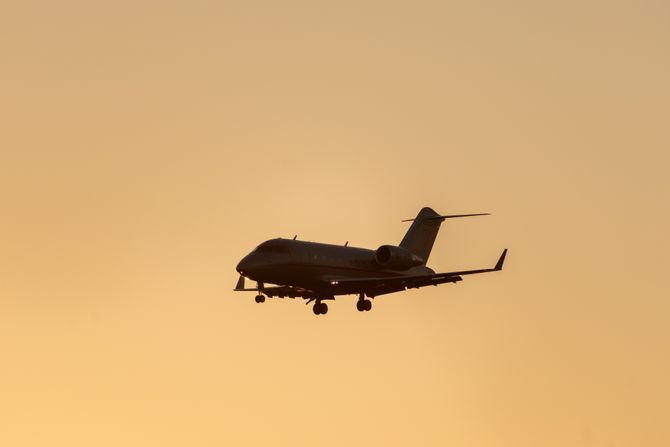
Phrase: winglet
(240, 283)
(499, 264)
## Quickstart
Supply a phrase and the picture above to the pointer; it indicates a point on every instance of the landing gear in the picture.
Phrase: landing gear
(260, 298)
(362, 304)
(320, 308)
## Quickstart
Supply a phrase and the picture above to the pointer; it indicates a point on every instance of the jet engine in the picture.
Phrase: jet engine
(396, 258)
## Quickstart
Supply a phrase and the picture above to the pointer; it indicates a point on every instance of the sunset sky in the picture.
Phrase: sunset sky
(146, 146)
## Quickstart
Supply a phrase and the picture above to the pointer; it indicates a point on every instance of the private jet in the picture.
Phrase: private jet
(319, 272)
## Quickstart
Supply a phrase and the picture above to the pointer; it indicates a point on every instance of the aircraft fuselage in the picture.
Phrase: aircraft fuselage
(311, 264)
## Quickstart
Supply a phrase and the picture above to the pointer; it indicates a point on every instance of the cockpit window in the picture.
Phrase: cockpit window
(272, 247)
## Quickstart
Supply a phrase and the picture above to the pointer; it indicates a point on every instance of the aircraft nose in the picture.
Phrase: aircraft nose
(243, 265)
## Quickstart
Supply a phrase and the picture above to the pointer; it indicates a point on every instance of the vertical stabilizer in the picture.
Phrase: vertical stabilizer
(421, 235)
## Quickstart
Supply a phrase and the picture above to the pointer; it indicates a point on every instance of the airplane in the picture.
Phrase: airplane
(319, 272)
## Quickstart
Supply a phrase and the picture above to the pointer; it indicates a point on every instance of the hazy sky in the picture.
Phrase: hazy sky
(146, 146)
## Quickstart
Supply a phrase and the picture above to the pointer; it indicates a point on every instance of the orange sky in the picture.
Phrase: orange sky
(146, 146)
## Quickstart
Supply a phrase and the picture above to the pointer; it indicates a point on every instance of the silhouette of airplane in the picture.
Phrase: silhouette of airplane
(318, 272)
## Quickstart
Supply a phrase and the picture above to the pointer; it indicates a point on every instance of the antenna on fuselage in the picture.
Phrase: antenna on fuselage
(346, 243)
(295, 237)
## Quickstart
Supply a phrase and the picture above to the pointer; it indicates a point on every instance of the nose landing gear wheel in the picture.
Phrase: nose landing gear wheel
(260, 298)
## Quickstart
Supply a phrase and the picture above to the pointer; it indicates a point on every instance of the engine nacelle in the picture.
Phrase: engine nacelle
(396, 258)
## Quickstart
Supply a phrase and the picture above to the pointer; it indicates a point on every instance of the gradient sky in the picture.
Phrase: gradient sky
(146, 146)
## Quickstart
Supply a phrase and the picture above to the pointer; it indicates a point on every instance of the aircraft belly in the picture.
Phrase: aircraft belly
(310, 276)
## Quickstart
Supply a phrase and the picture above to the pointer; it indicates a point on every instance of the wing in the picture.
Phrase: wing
(372, 286)
(380, 286)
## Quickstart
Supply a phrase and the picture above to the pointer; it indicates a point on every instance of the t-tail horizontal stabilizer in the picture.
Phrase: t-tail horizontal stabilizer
(446, 217)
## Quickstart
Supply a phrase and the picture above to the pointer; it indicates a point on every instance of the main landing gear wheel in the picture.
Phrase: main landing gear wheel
(320, 308)
(364, 305)
(260, 298)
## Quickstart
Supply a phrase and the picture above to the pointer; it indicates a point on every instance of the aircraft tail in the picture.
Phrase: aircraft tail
(421, 235)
